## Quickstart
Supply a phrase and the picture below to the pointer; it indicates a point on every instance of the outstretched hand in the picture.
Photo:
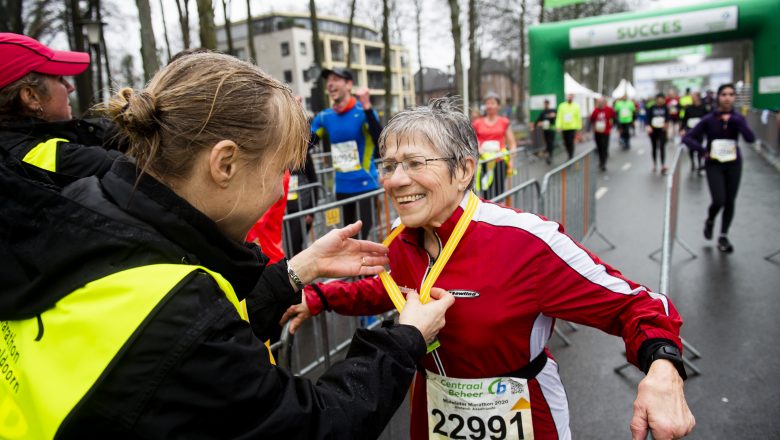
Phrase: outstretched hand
(336, 254)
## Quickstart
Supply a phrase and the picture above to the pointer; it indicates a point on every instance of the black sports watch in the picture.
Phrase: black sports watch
(671, 353)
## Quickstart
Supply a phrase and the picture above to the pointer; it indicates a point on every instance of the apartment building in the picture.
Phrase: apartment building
(283, 43)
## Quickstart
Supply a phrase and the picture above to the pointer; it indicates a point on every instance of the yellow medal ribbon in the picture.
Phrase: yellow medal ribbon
(425, 291)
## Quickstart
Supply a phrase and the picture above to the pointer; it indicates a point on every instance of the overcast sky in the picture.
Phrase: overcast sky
(123, 35)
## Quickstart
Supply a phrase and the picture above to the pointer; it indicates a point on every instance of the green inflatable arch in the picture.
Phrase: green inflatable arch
(757, 20)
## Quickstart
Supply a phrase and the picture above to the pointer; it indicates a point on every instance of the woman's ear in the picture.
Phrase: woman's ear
(31, 100)
(465, 173)
(223, 162)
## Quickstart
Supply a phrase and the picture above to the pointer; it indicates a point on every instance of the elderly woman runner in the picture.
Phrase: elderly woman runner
(513, 274)
(122, 292)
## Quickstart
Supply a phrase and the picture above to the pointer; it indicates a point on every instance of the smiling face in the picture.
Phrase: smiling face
(426, 197)
(339, 89)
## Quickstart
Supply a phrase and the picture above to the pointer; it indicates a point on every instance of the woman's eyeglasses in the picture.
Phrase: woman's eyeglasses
(411, 165)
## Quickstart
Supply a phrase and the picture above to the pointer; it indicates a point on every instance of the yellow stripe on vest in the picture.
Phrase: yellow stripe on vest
(44, 155)
(81, 335)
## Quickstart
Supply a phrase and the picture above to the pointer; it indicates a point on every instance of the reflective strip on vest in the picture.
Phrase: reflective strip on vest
(44, 155)
(80, 335)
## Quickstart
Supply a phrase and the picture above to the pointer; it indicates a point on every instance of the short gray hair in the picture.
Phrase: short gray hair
(442, 124)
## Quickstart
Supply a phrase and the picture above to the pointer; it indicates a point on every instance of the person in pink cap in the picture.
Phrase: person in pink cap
(36, 121)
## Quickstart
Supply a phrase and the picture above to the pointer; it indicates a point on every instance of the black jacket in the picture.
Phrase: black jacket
(194, 369)
(83, 156)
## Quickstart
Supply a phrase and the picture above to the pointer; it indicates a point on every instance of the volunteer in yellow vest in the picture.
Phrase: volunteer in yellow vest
(120, 309)
(625, 110)
(36, 124)
(569, 122)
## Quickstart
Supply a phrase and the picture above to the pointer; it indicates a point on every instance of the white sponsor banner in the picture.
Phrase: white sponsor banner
(537, 101)
(718, 66)
(655, 28)
(769, 84)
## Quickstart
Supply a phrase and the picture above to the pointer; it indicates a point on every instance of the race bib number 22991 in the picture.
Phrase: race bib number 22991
(496, 408)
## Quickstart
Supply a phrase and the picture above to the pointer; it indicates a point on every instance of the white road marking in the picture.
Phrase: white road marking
(601, 191)
(640, 151)
(626, 166)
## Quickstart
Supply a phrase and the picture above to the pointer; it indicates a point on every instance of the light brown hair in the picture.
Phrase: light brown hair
(203, 98)
(11, 106)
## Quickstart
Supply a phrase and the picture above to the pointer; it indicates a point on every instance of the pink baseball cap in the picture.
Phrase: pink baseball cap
(20, 55)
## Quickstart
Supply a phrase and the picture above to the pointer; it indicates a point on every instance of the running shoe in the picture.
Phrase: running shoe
(708, 224)
(664, 169)
(724, 245)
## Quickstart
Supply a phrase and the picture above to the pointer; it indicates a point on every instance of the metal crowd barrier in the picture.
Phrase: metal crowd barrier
(669, 237)
(767, 134)
(568, 196)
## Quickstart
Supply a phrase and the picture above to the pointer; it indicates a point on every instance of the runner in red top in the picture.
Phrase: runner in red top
(601, 124)
(495, 137)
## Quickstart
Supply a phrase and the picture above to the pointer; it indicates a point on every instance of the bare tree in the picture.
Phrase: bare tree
(350, 28)
(148, 43)
(520, 112)
(165, 32)
(207, 32)
(250, 32)
(228, 27)
(183, 6)
(455, 20)
(319, 99)
(388, 78)
(418, 8)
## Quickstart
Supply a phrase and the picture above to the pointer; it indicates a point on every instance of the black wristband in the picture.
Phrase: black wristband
(318, 291)
(672, 354)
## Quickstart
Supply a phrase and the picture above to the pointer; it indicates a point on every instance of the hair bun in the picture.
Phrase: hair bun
(136, 112)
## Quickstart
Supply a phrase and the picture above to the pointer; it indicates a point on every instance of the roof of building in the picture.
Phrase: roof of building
(434, 79)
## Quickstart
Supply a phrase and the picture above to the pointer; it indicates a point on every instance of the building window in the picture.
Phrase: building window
(285, 49)
(302, 47)
(337, 51)
(288, 76)
(376, 80)
(374, 56)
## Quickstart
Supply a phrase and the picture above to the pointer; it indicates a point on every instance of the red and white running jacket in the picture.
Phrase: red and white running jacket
(512, 274)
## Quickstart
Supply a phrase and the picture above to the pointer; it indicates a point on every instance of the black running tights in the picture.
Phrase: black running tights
(723, 179)
(658, 139)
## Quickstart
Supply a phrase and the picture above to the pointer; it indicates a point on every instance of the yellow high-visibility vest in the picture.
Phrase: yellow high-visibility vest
(48, 363)
(44, 155)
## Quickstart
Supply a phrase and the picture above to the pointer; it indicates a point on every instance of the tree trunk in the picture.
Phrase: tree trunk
(520, 115)
(319, 98)
(386, 60)
(148, 44)
(84, 85)
(109, 80)
(250, 32)
(420, 86)
(473, 73)
(541, 11)
(208, 33)
(458, 63)
(12, 17)
(183, 7)
(350, 27)
(228, 30)
(165, 32)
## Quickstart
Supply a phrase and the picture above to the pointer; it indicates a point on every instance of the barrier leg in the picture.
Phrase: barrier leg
(686, 247)
(691, 349)
(772, 255)
(562, 336)
(596, 231)
(653, 254)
